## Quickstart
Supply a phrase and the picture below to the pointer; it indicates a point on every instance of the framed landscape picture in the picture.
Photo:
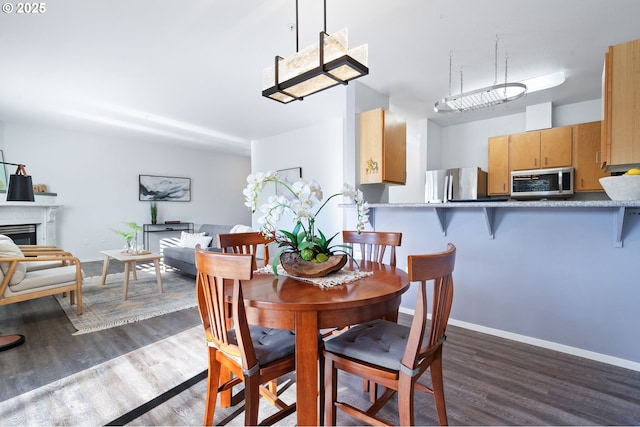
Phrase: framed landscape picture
(288, 176)
(3, 173)
(164, 188)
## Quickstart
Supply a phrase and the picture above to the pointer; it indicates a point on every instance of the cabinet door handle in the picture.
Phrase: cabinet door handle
(546, 162)
(535, 162)
(597, 157)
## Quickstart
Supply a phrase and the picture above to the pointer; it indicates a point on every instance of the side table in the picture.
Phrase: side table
(129, 265)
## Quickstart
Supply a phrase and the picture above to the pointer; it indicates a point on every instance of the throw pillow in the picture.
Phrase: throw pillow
(190, 240)
(8, 249)
(241, 229)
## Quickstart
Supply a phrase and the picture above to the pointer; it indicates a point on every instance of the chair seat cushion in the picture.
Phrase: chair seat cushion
(47, 277)
(270, 344)
(379, 342)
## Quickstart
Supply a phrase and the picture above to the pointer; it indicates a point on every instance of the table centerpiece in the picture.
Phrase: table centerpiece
(305, 251)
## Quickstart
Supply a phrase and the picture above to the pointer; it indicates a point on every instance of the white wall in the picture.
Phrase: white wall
(96, 181)
(318, 150)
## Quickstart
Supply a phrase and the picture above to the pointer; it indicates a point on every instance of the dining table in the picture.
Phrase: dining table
(285, 302)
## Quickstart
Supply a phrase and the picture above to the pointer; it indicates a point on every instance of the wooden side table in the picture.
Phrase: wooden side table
(129, 261)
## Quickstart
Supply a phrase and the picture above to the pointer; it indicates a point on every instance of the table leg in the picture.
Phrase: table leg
(135, 271)
(105, 267)
(307, 384)
(125, 290)
(156, 262)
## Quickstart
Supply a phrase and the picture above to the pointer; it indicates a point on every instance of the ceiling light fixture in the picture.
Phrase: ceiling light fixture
(489, 96)
(315, 68)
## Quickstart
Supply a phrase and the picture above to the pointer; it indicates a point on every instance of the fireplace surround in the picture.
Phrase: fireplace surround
(39, 220)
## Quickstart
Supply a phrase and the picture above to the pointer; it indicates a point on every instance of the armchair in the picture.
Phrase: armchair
(30, 272)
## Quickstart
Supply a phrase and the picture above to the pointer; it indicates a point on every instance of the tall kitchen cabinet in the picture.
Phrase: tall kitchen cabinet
(383, 148)
(499, 172)
(548, 148)
(587, 156)
(621, 93)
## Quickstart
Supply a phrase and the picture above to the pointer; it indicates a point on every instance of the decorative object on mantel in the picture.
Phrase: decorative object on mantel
(315, 68)
(154, 212)
(131, 238)
(20, 185)
(302, 243)
(489, 96)
(40, 188)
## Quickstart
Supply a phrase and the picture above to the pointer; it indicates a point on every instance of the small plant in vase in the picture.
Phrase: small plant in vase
(154, 212)
(130, 236)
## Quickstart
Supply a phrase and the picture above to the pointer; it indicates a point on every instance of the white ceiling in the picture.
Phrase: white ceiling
(191, 71)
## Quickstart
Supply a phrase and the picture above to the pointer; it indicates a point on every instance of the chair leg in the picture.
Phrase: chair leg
(225, 395)
(330, 392)
(405, 400)
(437, 383)
(213, 381)
(251, 401)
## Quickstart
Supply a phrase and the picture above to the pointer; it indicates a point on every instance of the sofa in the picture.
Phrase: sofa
(180, 253)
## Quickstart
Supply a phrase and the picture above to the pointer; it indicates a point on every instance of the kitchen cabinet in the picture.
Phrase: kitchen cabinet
(499, 172)
(548, 148)
(383, 151)
(620, 143)
(586, 157)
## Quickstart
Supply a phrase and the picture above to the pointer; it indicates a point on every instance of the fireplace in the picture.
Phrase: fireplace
(22, 234)
(29, 223)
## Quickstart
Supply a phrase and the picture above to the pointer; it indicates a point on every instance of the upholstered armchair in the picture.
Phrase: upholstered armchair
(28, 272)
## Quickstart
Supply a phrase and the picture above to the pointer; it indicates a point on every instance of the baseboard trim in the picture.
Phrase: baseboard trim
(550, 345)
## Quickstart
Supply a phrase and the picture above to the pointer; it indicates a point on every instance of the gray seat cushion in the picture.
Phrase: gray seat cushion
(378, 342)
(270, 344)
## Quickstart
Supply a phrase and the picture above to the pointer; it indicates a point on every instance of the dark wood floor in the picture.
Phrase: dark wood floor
(488, 380)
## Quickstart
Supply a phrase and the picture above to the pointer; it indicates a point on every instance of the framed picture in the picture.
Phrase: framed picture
(288, 176)
(164, 188)
(3, 173)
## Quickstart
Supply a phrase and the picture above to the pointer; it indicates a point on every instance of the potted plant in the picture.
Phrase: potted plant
(130, 236)
(305, 247)
(154, 212)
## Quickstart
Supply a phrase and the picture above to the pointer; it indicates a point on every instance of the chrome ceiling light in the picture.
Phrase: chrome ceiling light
(315, 68)
(496, 94)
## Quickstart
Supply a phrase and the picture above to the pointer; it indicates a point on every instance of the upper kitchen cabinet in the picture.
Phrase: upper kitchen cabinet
(621, 93)
(548, 148)
(586, 157)
(383, 150)
(499, 172)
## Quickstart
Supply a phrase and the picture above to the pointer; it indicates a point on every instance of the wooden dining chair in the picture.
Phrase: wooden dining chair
(373, 244)
(252, 243)
(395, 356)
(255, 355)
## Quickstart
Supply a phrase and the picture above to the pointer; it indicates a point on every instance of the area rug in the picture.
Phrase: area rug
(104, 308)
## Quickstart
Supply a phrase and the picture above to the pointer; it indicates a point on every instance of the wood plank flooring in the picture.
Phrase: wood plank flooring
(59, 379)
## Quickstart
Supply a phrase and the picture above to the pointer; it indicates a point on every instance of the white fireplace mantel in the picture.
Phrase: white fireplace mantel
(43, 215)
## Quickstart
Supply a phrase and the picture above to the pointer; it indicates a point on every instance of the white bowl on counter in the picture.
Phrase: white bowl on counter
(623, 187)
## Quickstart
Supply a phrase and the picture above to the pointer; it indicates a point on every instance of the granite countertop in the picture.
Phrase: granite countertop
(518, 204)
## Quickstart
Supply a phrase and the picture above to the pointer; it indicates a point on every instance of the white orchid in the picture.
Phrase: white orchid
(306, 195)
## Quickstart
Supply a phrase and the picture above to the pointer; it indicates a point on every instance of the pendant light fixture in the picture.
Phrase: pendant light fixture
(315, 68)
(496, 94)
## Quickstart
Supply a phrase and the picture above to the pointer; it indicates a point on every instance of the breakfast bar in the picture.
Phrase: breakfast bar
(547, 275)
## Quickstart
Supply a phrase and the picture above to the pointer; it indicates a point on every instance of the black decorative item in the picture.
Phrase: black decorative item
(20, 185)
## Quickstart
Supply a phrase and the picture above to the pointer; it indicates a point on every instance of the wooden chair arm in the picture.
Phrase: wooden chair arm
(13, 263)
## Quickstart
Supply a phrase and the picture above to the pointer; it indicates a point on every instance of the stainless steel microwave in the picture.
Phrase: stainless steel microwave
(542, 183)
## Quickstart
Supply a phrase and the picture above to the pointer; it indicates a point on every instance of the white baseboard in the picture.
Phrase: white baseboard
(599, 357)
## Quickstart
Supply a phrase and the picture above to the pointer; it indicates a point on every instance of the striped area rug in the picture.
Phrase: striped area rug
(103, 306)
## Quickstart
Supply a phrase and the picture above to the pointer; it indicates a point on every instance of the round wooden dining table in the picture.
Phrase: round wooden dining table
(288, 303)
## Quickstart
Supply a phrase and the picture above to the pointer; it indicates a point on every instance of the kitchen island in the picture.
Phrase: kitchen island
(548, 274)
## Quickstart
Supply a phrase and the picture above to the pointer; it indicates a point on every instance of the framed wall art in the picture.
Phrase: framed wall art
(3, 173)
(288, 176)
(164, 188)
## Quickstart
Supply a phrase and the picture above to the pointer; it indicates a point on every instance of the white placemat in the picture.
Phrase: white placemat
(337, 278)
